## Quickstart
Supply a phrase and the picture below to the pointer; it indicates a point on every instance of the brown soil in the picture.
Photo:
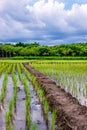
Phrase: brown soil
(71, 115)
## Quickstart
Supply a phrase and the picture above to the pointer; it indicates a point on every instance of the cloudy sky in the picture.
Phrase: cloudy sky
(45, 21)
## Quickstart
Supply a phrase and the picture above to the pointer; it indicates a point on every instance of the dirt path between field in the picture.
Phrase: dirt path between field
(71, 115)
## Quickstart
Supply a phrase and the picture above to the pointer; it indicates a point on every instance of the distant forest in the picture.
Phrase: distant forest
(35, 49)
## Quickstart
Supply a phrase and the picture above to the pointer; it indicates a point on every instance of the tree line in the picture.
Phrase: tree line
(35, 49)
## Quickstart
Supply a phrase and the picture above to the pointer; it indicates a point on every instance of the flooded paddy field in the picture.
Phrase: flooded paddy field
(22, 107)
(70, 75)
(71, 115)
(39, 95)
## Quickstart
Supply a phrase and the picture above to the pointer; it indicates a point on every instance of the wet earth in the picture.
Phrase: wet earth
(71, 115)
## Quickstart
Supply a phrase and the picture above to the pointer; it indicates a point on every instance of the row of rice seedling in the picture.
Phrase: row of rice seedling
(28, 98)
(1, 64)
(14, 78)
(45, 103)
(3, 68)
(5, 81)
(12, 103)
(71, 76)
(9, 116)
(40, 92)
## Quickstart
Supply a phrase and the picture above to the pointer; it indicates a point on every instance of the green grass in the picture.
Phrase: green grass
(49, 58)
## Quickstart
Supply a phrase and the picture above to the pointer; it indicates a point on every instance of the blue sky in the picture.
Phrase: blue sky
(45, 21)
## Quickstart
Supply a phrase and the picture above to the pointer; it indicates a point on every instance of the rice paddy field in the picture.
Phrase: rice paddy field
(70, 75)
(23, 105)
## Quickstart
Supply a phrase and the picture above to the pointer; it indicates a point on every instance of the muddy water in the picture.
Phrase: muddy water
(79, 91)
(19, 122)
(1, 82)
(8, 97)
(19, 114)
(9, 92)
(2, 121)
(36, 111)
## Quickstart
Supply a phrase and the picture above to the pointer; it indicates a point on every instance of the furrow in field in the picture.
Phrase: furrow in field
(2, 121)
(9, 92)
(71, 115)
(36, 107)
(5, 96)
(20, 122)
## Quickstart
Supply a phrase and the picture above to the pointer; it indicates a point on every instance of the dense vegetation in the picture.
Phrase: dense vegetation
(35, 49)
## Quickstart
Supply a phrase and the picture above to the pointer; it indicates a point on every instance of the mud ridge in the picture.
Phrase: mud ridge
(71, 115)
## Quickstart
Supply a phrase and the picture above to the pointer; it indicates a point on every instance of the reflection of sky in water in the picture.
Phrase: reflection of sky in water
(9, 94)
(36, 111)
(75, 84)
(1, 81)
(20, 113)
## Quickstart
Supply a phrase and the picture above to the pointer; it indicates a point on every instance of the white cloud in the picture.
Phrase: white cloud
(77, 17)
(44, 20)
(51, 14)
